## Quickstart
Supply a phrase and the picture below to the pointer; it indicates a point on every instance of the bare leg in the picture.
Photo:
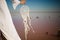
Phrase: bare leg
(26, 28)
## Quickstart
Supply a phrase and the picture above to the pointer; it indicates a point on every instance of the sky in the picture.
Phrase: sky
(38, 4)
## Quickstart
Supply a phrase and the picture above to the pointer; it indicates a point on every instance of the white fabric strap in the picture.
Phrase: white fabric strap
(15, 3)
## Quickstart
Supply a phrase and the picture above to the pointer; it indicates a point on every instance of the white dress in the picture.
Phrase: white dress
(6, 24)
(24, 11)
